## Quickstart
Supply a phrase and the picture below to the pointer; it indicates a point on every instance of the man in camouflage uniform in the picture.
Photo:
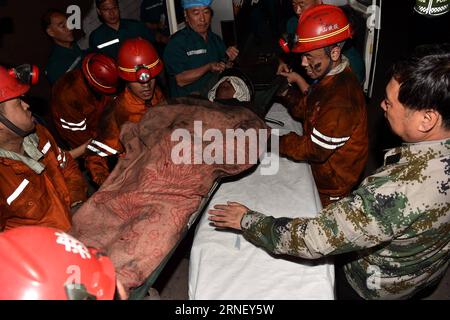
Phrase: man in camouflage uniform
(398, 220)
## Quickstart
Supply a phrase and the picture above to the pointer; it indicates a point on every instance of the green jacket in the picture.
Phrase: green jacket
(187, 50)
(106, 40)
(398, 220)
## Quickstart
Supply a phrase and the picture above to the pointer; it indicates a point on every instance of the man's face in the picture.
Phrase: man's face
(402, 120)
(143, 91)
(301, 5)
(58, 28)
(17, 111)
(225, 91)
(109, 12)
(199, 19)
(316, 63)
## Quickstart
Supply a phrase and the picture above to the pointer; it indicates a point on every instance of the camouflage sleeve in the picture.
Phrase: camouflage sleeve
(341, 227)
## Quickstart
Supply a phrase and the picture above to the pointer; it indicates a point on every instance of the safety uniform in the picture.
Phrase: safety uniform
(62, 60)
(76, 109)
(38, 189)
(126, 107)
(334, 140)
(107, 40)
(187, 50)
(398, 219)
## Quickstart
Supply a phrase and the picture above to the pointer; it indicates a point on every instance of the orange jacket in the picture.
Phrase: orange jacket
(29, 198)
(75, 108)
(126, 107)
(334, 140)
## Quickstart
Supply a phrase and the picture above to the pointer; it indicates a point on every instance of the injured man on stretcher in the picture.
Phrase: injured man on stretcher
(173, 157)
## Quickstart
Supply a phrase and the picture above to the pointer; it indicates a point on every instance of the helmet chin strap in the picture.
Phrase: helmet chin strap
(11, 126)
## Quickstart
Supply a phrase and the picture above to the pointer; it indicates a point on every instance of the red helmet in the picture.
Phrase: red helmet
(321, 26)
(101, 72)
(138, 61)
(11, 86)
(40, 263)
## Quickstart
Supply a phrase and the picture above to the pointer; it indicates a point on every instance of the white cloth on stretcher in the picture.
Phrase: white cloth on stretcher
(225, 266)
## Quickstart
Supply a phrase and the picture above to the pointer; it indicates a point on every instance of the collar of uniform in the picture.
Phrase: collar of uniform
(131, 99)
(30, 145)
(410, 151)
(73, 49)
(340, 67)
(196, 34)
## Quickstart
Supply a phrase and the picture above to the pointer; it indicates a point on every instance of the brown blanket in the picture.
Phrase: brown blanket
(138, 215)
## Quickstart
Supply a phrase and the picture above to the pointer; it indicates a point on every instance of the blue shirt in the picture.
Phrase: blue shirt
(128, 29)
(62, 60)
(188, 50)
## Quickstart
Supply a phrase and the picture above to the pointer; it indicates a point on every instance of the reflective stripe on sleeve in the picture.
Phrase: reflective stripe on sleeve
(17, 192)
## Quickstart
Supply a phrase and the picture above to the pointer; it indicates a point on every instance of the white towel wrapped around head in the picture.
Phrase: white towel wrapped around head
(242, 92)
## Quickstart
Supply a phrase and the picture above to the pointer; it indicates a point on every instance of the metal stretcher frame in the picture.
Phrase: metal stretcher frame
(140, 292)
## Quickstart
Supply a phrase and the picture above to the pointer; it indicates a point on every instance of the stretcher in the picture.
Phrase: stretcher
(223, 265)
(261, 107)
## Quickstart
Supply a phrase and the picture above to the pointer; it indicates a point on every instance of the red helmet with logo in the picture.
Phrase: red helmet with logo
(16, 81)
(101, 72)
(39, 263)
(321, 26)
(138, 61)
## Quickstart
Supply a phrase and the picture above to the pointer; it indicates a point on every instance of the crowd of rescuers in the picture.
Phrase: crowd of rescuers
(382, 220)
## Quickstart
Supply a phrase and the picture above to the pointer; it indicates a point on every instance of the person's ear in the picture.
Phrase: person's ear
(50, 31)
(335, 53)
(428, 120)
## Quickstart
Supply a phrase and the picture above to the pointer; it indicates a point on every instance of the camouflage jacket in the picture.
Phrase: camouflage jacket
(398, 221)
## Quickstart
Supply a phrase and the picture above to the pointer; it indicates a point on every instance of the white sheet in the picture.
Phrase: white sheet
(225, 266)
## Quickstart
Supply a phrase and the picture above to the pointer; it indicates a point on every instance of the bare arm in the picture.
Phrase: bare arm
(189, 76)
(80, 150)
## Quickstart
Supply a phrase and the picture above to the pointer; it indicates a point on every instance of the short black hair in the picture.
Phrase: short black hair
(424, 81)
(46, 18)
(98, 3)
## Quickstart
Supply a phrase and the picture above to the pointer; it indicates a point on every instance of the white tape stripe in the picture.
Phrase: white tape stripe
(329, 139)
(107, 44)
(95, 150)
(74, 64)
(18, 191)
(59, 157)
(325, 145)
(196, 52)
(80, 124)
(105, 147)
(46, 147)
(73, 129)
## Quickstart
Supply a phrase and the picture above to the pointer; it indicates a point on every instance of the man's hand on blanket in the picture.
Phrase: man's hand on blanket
(228, 215)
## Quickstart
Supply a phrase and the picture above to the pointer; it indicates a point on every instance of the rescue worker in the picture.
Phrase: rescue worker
(40, 182)
(80, 97)
(113, 31)
(194, 54)
(332, 109)
(66, 55)
(138, 64)
(349, 51)
(40, 263)
(398, 220)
